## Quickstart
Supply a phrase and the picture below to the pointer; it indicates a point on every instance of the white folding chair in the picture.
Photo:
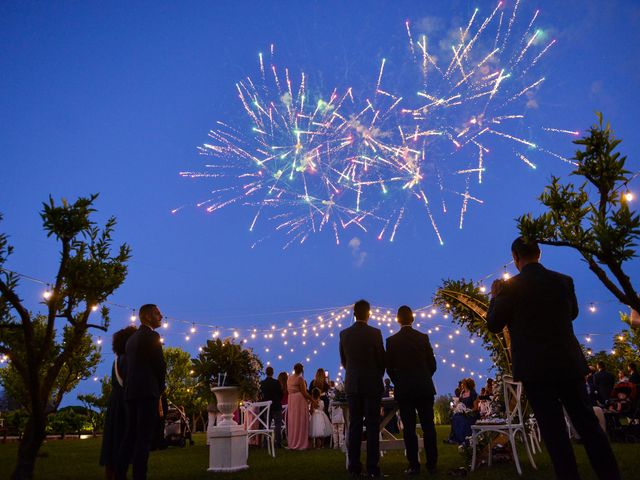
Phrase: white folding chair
(257, 422)
(510, 426)
(285, 409)
(534, 435)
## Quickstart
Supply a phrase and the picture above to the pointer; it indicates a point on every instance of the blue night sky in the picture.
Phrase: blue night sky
(115, 97)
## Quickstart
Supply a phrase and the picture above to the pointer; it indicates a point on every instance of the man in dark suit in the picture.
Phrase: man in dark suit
(538, 307)
(270, 389)
(362, 356)
(145, 372)
(603, 381)
(411, 364)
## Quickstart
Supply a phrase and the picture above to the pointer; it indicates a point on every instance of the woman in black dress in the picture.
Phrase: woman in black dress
(116, 416)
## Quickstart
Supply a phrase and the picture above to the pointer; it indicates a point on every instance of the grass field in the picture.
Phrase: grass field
(78, 460)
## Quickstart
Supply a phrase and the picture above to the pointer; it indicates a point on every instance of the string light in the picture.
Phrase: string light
(47, 294)
(133, 316)
(592, 307)
(628, 196)
(193, 328)
(94, 308)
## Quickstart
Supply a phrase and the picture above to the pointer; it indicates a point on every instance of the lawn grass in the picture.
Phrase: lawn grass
(78, 460)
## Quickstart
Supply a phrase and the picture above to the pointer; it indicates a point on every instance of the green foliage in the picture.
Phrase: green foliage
(625, 349)
(15, 421)
(96, 405)
(181, 381)
(67, 421)
(242, 367)
(594, 218)
(468, 307)
(442, 409)
(80, 367)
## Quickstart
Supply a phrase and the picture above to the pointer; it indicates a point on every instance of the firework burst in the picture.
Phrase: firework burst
(308, 162)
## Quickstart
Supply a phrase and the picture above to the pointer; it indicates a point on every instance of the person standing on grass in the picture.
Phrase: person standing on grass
(115, 422)
(271, 390)
(145, 372)
(538, 307)
(298, 410)
(410, 365)
(362, 356)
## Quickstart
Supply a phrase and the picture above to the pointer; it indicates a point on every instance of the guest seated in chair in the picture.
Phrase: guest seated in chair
(465, 412)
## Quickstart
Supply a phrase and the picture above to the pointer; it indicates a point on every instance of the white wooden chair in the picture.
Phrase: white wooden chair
(534, 435)
(285, 409)
(257, 422)
(510, 426)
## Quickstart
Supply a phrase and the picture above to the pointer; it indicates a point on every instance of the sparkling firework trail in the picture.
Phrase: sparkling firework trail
(308, 160)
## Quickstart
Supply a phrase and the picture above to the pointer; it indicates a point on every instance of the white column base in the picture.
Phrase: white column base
(228, 449)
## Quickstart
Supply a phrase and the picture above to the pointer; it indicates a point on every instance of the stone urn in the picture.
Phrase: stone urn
(228, 449)
(227, 401)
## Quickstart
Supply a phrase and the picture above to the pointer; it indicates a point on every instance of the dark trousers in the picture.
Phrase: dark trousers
(142, 418)
(547, 399)
(364, 410)
(276, 415)
(424, 407)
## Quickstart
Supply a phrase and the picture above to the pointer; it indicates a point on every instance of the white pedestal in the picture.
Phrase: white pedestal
(228, 449)
(211, 424)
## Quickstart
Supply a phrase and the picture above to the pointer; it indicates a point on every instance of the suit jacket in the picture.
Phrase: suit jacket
(538, 306)
(362, 356)
(410, 364)
(145, 365)
(270, 389)
(603, 382)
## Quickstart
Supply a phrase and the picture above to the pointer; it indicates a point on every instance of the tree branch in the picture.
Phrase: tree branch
(99, 327)
(15, 303)
(633, 300)
(602, 275)
(560, 243)
(53, 305)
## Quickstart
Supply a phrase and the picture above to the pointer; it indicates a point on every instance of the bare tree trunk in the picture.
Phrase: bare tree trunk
(30, 444)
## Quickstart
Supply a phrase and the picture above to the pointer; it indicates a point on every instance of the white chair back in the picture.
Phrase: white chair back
(256, 416)
(512, 401)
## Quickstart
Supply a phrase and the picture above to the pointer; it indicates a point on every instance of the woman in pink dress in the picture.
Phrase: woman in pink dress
(298, 410)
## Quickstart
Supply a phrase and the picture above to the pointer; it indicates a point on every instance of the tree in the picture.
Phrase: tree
(80, 367)
(224, 362)
(182, 384)
(468, 306)
(593, 218)
(97, 405)
(88, 273)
